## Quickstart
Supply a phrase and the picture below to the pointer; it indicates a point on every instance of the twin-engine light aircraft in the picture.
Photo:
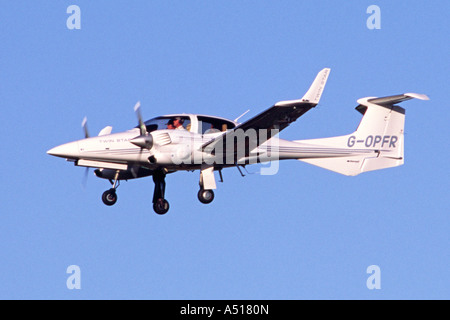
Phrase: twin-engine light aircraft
(171, 143)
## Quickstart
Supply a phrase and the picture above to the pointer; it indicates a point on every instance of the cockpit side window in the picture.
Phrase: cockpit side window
(212, 125)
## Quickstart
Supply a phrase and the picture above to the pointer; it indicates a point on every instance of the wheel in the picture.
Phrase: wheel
(205, 196)
(109, 197)
(161, 206)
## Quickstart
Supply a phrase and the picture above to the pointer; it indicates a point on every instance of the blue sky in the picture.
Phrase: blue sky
(304, 233)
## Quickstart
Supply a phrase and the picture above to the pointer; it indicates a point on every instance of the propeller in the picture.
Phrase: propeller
(145, 140)
(137, 109)
(85, 129)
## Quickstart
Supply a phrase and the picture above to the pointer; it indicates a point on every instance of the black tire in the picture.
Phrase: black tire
(161, 206)
(109, 197)
(205, 196)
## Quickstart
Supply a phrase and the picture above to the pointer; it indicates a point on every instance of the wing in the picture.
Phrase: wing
(272, 120)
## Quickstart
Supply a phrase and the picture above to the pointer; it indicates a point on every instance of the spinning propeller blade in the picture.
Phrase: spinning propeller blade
(84, 125)
(137, 109)
(85, 178)
(145, 140)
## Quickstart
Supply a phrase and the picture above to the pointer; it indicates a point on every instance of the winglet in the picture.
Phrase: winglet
(315, 91)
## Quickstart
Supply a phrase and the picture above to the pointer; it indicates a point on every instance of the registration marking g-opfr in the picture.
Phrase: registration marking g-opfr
(373, 141)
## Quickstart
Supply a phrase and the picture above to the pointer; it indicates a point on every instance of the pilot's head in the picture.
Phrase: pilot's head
(170, 124)
(177, 122)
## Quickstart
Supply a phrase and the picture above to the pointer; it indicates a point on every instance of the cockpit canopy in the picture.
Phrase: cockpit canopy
(192, 123)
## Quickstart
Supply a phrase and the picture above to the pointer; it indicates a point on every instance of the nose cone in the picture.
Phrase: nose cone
(143, 141)
(68, 150)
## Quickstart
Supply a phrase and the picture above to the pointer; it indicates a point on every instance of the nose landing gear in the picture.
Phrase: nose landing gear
(109, 197)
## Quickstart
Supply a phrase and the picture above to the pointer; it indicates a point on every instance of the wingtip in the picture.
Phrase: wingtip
(419, 96)
(314, 93)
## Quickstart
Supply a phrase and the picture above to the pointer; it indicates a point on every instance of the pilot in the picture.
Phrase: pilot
(170, 124)
(178, 123)
(212, 130)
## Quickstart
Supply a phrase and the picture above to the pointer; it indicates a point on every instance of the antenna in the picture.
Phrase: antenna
(236, 120)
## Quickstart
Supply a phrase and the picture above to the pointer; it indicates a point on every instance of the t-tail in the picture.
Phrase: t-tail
(378, 142)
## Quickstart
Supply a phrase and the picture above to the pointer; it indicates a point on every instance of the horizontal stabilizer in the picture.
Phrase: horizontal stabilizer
(391, 100)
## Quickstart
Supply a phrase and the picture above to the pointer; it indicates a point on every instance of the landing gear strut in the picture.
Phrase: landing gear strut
(207, 183)
(109, 197)
(160, 205)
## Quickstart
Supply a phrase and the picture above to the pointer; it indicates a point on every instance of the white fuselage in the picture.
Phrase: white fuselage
(181, 150)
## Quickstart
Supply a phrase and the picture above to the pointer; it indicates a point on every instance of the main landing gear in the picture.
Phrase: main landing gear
(205, 196)
(160, 205)
(207, 183)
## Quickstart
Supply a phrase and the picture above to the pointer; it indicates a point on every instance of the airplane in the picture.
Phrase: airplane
(189, 142)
